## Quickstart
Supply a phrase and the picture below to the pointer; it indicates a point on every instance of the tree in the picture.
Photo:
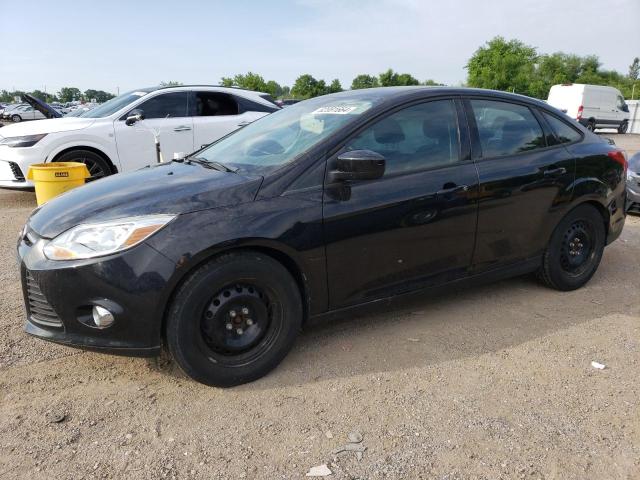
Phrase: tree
(364, 81)
(69, 94)
(99, 95)
(306, 86)
(432, 83)
(335, 86)
(634, 69)
(44, 96)
(502, 65)
(273, 88)
(394, 79)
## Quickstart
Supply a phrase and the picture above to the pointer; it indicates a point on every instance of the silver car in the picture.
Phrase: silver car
(26, 112)
(633, 185)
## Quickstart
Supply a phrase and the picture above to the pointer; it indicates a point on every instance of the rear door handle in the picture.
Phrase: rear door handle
(182, 128)
(554, 172)
(452, 189)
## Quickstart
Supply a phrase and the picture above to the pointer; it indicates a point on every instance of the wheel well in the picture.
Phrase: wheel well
(282, 258)
(90, 149)
(603, 212)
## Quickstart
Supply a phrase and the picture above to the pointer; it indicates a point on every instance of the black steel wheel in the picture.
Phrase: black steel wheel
(234, 319)
(97, 166)
(575, 249)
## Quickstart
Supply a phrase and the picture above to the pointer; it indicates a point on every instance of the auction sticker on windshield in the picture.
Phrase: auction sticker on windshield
(335, 109)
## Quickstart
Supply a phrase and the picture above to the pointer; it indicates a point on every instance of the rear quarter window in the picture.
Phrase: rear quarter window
(564, 132)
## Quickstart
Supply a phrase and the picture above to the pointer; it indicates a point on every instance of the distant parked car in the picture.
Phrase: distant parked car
(6, 114)
(633, 185)
(118, 135)
(594, 106)
(287, 102)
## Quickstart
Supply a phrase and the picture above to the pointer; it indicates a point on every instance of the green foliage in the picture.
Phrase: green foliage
(432, 83)
(502, 65)
(255, 82)
(364, 81)
(516, 67)
(306, 86)
(69, 94)
(100, 95)
(394, 79)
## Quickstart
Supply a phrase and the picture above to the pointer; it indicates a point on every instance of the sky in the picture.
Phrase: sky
(123, 45)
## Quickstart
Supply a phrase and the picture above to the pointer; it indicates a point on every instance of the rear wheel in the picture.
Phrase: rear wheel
(16, 118)
(623, 127)
(575, 249)
(97, 166)
(234, 319)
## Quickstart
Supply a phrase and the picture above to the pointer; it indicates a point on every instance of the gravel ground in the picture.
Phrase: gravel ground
(492, 382)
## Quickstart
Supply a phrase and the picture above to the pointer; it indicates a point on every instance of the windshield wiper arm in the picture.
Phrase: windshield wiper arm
(208, 164)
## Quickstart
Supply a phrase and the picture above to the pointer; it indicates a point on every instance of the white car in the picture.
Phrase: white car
(594, 106)
(119, 135)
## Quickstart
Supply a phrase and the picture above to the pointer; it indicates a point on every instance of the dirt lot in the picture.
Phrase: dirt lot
(487, 383)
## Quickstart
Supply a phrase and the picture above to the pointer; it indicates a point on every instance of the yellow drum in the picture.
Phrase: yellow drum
(52, 179)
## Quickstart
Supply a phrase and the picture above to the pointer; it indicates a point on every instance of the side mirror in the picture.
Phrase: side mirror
(358, 165)
(625, 108)
(134, 116)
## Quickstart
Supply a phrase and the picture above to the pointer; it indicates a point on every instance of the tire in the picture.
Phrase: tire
(249, 292)
(624, 126)
(98, 167)
(568, 264)
(591, 125)
(16, 118)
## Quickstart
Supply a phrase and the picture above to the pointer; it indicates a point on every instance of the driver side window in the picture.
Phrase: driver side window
(415, 138)
(167, 105)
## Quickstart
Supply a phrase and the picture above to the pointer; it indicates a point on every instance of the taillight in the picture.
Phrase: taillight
(580, 110)
(620, 157)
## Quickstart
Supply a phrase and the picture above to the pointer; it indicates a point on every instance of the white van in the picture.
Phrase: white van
(594, 106)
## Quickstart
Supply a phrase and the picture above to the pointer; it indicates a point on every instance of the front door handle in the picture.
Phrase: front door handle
(244, 124)
(449, 188)
(182, 128)
(554, 172)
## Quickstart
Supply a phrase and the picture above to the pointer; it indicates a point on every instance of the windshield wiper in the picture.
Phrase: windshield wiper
(208, 164)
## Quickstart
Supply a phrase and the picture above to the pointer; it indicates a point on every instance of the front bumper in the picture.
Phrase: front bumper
(59, 297)
(14, 165)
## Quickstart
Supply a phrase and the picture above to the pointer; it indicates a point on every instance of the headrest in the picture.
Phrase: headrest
(388, 131)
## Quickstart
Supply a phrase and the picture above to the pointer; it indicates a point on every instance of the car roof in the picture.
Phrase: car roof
(385, 95)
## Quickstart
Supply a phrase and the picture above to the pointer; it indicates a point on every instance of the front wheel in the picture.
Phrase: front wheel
(97, 166)
(623, 127)
(575, 250)
(234, 319)
(16, 118)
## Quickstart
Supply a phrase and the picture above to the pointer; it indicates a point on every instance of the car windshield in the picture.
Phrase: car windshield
(115, 104)
(283, 136)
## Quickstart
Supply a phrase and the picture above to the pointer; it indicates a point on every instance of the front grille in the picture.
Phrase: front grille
(39, 309)
(15, 168)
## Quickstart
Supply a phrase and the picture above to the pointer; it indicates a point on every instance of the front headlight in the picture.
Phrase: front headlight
(97, 239)
(24, 141)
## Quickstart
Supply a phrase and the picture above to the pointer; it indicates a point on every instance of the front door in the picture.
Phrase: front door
(416, 225)
(165, 116)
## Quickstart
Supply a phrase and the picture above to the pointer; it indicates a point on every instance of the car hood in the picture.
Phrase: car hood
(53, 125)
(43, 107)
(170, 188)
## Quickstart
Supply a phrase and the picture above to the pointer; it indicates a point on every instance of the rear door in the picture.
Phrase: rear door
(215, 114)
(416, 225)
(525, 181)
(166, 116)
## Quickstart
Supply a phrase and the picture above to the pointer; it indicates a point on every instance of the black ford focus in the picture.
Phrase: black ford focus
(330, 204)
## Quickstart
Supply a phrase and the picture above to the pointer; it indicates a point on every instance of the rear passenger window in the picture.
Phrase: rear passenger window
(564, 133)
(167, 105)
(506, 128)
(210, 104)
(415, 138)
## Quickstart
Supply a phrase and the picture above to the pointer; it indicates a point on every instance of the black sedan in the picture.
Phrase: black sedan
(330, 204)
